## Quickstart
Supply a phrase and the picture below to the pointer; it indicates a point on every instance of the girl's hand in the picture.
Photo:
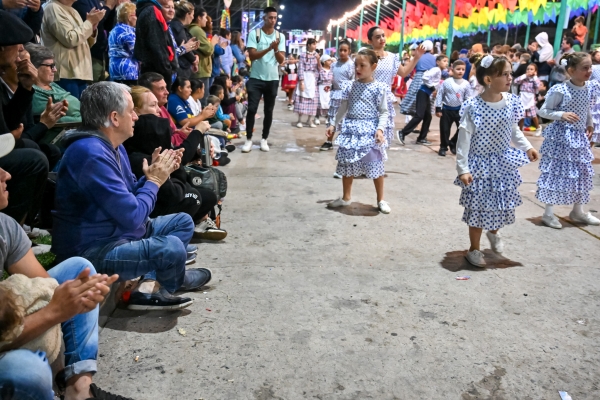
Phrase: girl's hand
(379, 139)
(330, 132)
(589, 132)
(570, 117)
(438, 114)
(533, 155)
(467, 179)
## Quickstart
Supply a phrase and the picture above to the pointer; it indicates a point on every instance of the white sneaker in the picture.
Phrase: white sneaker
(475, 258)
(538, 132)
(242, 128)
(35, 232)
(40, 249)
(496, 242)
(290, 107)
(299, 125)
(317, 121)
(551, 221)
(208, 230)
(247, 147)
(312, 125)
(384, 207)
(586, 218)
(264, 146)
(339, 203)
(337, 176)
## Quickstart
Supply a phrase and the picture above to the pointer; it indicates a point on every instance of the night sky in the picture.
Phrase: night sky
(313, 14)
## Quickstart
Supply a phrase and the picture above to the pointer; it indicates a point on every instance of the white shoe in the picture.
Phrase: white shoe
(384, 207)
(475, 258)
(290, 107)
(40, 249)
(586, 218)
(264, 146)
(247, 147)
(35, 232)
(496, 242)
(551, 221)
(317, 121)
(299, 125)
(242, 128)
(337, 176)
(339, 203)
(312, 125)
(538, 132)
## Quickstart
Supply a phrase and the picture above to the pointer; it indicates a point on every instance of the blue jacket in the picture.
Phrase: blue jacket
(122, 64)
(219, 51)
(238, 55)
(426, 62)
(98, 200)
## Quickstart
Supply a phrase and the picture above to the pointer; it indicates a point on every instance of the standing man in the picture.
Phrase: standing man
(266, 47)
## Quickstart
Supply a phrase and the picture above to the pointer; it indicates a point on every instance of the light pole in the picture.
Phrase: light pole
(402, 27)
(337, 37)
(378, 10)
(559, 26)
(450, 30)
(362, 13)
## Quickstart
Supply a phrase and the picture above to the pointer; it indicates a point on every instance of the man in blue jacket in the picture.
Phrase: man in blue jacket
(102, 212)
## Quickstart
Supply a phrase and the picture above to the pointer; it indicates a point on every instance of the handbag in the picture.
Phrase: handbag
(207, 178)
(289, 81)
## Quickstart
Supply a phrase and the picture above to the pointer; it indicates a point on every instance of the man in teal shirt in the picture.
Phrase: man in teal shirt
(266, 47)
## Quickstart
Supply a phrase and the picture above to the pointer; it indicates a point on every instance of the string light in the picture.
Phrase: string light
(350, 14)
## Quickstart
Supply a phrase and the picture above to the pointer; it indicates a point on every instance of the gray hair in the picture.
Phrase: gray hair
(38, 54)
(99, 100)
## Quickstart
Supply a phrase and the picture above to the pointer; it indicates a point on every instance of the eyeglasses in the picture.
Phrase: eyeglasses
(51, 66)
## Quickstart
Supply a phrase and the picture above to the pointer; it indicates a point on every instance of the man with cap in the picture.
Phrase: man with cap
(463, 56)
(28, 167)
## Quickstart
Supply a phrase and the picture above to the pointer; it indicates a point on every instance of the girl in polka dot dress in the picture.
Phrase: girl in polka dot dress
(486, 162)
(566, 163)
(361, 141)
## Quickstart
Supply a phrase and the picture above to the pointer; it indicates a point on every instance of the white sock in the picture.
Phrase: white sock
(148, 287)
(578, 209)
(549, 210)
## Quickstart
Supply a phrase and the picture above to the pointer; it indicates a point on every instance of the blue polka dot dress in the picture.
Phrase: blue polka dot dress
(342, 72)
(490, 200)
(566, 155)
(594, 86)
(387, 69)
(358, 153)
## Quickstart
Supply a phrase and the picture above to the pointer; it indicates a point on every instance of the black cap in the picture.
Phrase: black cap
(13, 30)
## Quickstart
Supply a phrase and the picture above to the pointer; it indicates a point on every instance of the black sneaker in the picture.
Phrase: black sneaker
(326, 146)
(160, 300)
(99, 394)
(196, 278)
(400, 137)
(453, 149)
(424, 142)
(223, 160)
(230, 148)
(442, 152)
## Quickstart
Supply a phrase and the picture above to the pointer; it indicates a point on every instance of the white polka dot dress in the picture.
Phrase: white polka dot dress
(566, 155)
(342, 72)
(490, 200)
(594, 86)
(387, 69)
(358, 153)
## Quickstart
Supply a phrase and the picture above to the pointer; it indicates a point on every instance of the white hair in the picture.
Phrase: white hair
(99, 100)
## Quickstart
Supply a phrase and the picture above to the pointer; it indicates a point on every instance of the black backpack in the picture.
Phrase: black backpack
(207, 178)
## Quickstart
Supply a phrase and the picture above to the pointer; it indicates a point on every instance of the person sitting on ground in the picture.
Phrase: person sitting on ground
(102, 212)
(177, 104)
(195, 99)
(71, 292)
(229, 100)
(241, 105)
(176, 195)
(220, 116)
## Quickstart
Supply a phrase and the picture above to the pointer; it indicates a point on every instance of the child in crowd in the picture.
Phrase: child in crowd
(431, 80)
(541, 96)
(241, 105)
(324, 85)
(361, 141)
(229, 99)
(450, 97)
(566, 155)
(342, 71)
(194, 101)
(486, 162)
(529, 87)
(221, 120)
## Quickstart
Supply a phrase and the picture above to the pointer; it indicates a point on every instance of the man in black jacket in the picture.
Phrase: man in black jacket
(154, 48)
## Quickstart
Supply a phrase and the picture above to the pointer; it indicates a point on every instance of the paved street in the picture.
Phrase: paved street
(312, 303)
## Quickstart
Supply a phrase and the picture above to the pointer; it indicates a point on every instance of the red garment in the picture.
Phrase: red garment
(177, 137)
(580, 33)
(165, 27)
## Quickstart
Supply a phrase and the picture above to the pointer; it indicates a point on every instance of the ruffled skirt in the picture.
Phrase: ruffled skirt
(358, 153)
(490, 200)
(595, 110)
(566, 167)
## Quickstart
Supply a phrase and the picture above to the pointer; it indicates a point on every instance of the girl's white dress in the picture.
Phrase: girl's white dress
(387, 69)
(363, 110)
(484, 151)
(566, 162)
(594, 85)
(342, 72)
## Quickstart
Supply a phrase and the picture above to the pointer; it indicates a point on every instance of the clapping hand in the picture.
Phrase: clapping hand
(53, 112)
(191, 44)
(95, 16)
(161, 169)
(186, 129)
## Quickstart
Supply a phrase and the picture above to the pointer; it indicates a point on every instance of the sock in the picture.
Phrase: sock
(549, 210)
(578, 209)
(148, 287)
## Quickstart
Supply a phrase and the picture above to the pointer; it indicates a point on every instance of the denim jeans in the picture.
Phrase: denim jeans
(26, 374)
(159, 255)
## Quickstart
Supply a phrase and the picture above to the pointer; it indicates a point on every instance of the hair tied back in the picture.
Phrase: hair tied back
(487, 61)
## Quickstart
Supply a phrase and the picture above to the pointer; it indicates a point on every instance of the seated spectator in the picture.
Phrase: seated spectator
(195, 99)
(27, 338)
(216, 122)
(241, 105)
(30, 12)
(229, 100)
(102, 211)
(226, 119)
(69, 38)
(176, 195)
(122, 65)
(178, 106)
(188, 60)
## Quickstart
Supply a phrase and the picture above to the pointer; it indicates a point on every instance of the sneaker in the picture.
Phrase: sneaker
(208, 230)
(264, 146)
(299, 125)
(191, 249)
(337, 176)
(230, 148)
(160, 300)
(442, 152)
(496, 242)
(100, 394)
(247, 147)
(384, 207)
(453, 149)
(290, 107)
(538, 132)
(475, 258)
(586, 218)
(400, 137)
(35, 232)
(326, 146)
(191, 258)
(312, 125)
(39, 249)
(242, 128)
(551, 221)
(196, 278)
(317, 121)
(339, 203)
(222, 161)
(424, 142)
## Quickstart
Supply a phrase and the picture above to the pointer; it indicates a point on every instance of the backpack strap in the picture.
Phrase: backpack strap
(257, 32)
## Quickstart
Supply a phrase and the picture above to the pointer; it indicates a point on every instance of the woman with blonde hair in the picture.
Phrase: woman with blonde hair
(122, 65)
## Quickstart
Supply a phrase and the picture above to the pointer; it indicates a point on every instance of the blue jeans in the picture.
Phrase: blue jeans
(160, 255)
(73, 86)
(80, 335)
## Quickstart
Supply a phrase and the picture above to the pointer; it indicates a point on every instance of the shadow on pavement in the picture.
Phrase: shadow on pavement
(144, 321)
(354, 209)
(455, 261)
(565, 222)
